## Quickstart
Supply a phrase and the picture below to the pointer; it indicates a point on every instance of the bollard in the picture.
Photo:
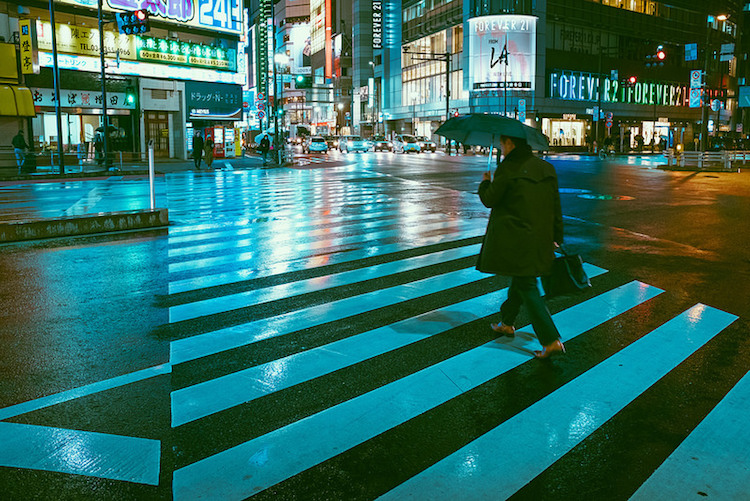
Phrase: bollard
(151, 172)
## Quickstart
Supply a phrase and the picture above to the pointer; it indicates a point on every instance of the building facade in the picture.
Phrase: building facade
(183, 75)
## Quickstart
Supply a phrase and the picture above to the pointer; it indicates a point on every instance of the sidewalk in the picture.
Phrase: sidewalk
(89, 200)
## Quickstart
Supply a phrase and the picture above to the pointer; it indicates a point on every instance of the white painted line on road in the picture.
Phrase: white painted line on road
(713, 462)
(83, 391)
(210, 397)
(86, 453)
(291, 289)
(500, 462)
(213, 342)
(258, 464)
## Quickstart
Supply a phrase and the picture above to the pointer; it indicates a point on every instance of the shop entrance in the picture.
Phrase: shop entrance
(564, 132)
(157, 128)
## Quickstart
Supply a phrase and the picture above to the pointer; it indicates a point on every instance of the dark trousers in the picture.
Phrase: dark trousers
(197, 158)
(523, 290)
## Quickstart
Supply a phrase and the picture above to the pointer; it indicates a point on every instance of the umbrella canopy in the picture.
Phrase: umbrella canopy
(485, 130)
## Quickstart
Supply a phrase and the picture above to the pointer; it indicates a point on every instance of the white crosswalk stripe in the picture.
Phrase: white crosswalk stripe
(217, 254)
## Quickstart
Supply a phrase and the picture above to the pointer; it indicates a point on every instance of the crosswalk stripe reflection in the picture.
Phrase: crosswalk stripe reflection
(269, 459)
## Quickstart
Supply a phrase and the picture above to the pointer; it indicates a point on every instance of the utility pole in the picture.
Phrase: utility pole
(105, 125)
(56, 79)
(446, 58)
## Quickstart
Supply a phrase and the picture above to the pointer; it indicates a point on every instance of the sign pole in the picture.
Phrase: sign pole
(102, 50)
(56, 78)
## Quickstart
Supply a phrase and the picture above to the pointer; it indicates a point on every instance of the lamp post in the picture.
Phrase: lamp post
(704, 104)
(278, 59)
(414, 96)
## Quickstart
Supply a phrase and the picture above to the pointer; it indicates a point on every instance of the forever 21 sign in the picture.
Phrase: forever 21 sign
(377, 24)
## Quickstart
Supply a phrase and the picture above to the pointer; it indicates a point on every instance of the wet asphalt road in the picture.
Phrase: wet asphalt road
(259, 253)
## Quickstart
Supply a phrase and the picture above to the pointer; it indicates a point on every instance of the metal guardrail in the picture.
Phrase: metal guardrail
(707, 159)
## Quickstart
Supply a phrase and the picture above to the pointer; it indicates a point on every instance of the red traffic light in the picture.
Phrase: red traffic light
(142, 14)
(633, 79)
(661, 55)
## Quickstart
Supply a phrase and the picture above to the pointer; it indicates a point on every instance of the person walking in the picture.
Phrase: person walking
(208, 147)
(265, 145)
(19, 148)
(524, 228)
(197, 149)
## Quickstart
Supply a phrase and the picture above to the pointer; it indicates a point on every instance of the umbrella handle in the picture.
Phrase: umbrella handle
(489, 160)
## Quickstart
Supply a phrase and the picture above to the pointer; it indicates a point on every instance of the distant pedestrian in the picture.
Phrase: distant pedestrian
(524, 228)
(19, 148)
(197, 149)
(264, 147)
(208, 147)
(99, 147)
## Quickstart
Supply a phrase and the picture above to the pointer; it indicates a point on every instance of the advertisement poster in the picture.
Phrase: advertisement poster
(502, 52)
(300, 49)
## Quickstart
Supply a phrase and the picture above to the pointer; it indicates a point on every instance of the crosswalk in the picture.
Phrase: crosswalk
(329, 339)
(383, 302)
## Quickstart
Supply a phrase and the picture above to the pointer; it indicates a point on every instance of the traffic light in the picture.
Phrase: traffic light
(133, 23)
(656, 59)
(280, 112)
(303, 82)
(129, 95)
(632, 79)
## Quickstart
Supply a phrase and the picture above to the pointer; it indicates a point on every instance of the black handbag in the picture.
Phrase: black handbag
(567, 276)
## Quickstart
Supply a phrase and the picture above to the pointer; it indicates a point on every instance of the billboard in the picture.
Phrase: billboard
(214, 15)
(300, 49)
(502, 52)
(744, 97)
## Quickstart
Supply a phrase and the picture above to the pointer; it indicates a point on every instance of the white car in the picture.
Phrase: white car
(353, 143)
(315, 144)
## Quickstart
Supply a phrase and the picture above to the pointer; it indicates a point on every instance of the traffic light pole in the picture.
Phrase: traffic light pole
(446, 58)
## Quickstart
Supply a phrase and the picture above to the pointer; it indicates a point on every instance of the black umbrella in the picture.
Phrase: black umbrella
(485, 130)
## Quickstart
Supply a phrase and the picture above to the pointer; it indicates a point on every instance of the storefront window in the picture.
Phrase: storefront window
(564, 132)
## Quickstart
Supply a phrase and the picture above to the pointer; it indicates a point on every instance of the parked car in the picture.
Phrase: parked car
(316, 144)
(426, 144)
(404, 143)
(353, 143)
(380, 143)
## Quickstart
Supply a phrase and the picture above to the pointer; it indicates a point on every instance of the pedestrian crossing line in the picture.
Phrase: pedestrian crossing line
(210, 397)
(100, 455)
(258, 464)
(83, 391)
(298, 223)
(243, 274)
(535, 438)
(280, 234)
(713, 461)
(455, 228)
(209, 343)
(287, 290)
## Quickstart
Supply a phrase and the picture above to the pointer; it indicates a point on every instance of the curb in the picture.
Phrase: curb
(88, 224)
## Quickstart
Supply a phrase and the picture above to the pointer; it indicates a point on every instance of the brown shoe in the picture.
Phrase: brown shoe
(547, 351)
(505, 330)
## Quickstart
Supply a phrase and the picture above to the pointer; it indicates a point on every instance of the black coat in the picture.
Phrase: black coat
(526, 217)
(197, 146)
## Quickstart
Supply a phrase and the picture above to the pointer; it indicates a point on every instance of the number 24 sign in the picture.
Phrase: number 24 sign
(222, 14)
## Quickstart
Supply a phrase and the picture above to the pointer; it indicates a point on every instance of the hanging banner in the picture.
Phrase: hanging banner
(502, 52)
(29, 49)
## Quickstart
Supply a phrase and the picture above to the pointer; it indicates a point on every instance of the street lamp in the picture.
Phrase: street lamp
(414, 96)
(706, 52)
(340, 121)
(278, 59)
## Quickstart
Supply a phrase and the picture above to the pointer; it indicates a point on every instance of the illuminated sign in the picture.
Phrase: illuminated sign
(377, 24)
(502, 52)
(86, 63)
(214, 15)
(81, 99)
(579, 86)
(28, 45)
(84, 41)
(211, 100)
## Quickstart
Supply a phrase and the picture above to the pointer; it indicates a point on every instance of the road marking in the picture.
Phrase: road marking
(83, 391)
(98, 455)
(535, 438)
(258, 464)
(210, 397)
(274, 253)
(713, 462)
(291, 289)
(213, 342)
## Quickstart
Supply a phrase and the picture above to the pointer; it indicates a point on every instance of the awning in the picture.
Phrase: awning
(16, 101)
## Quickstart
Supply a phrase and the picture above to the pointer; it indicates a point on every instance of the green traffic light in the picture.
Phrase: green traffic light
(300, 78)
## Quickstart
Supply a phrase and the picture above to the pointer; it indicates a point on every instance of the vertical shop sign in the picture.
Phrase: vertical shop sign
(29, 50)
(328, 39)
(377, 24)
